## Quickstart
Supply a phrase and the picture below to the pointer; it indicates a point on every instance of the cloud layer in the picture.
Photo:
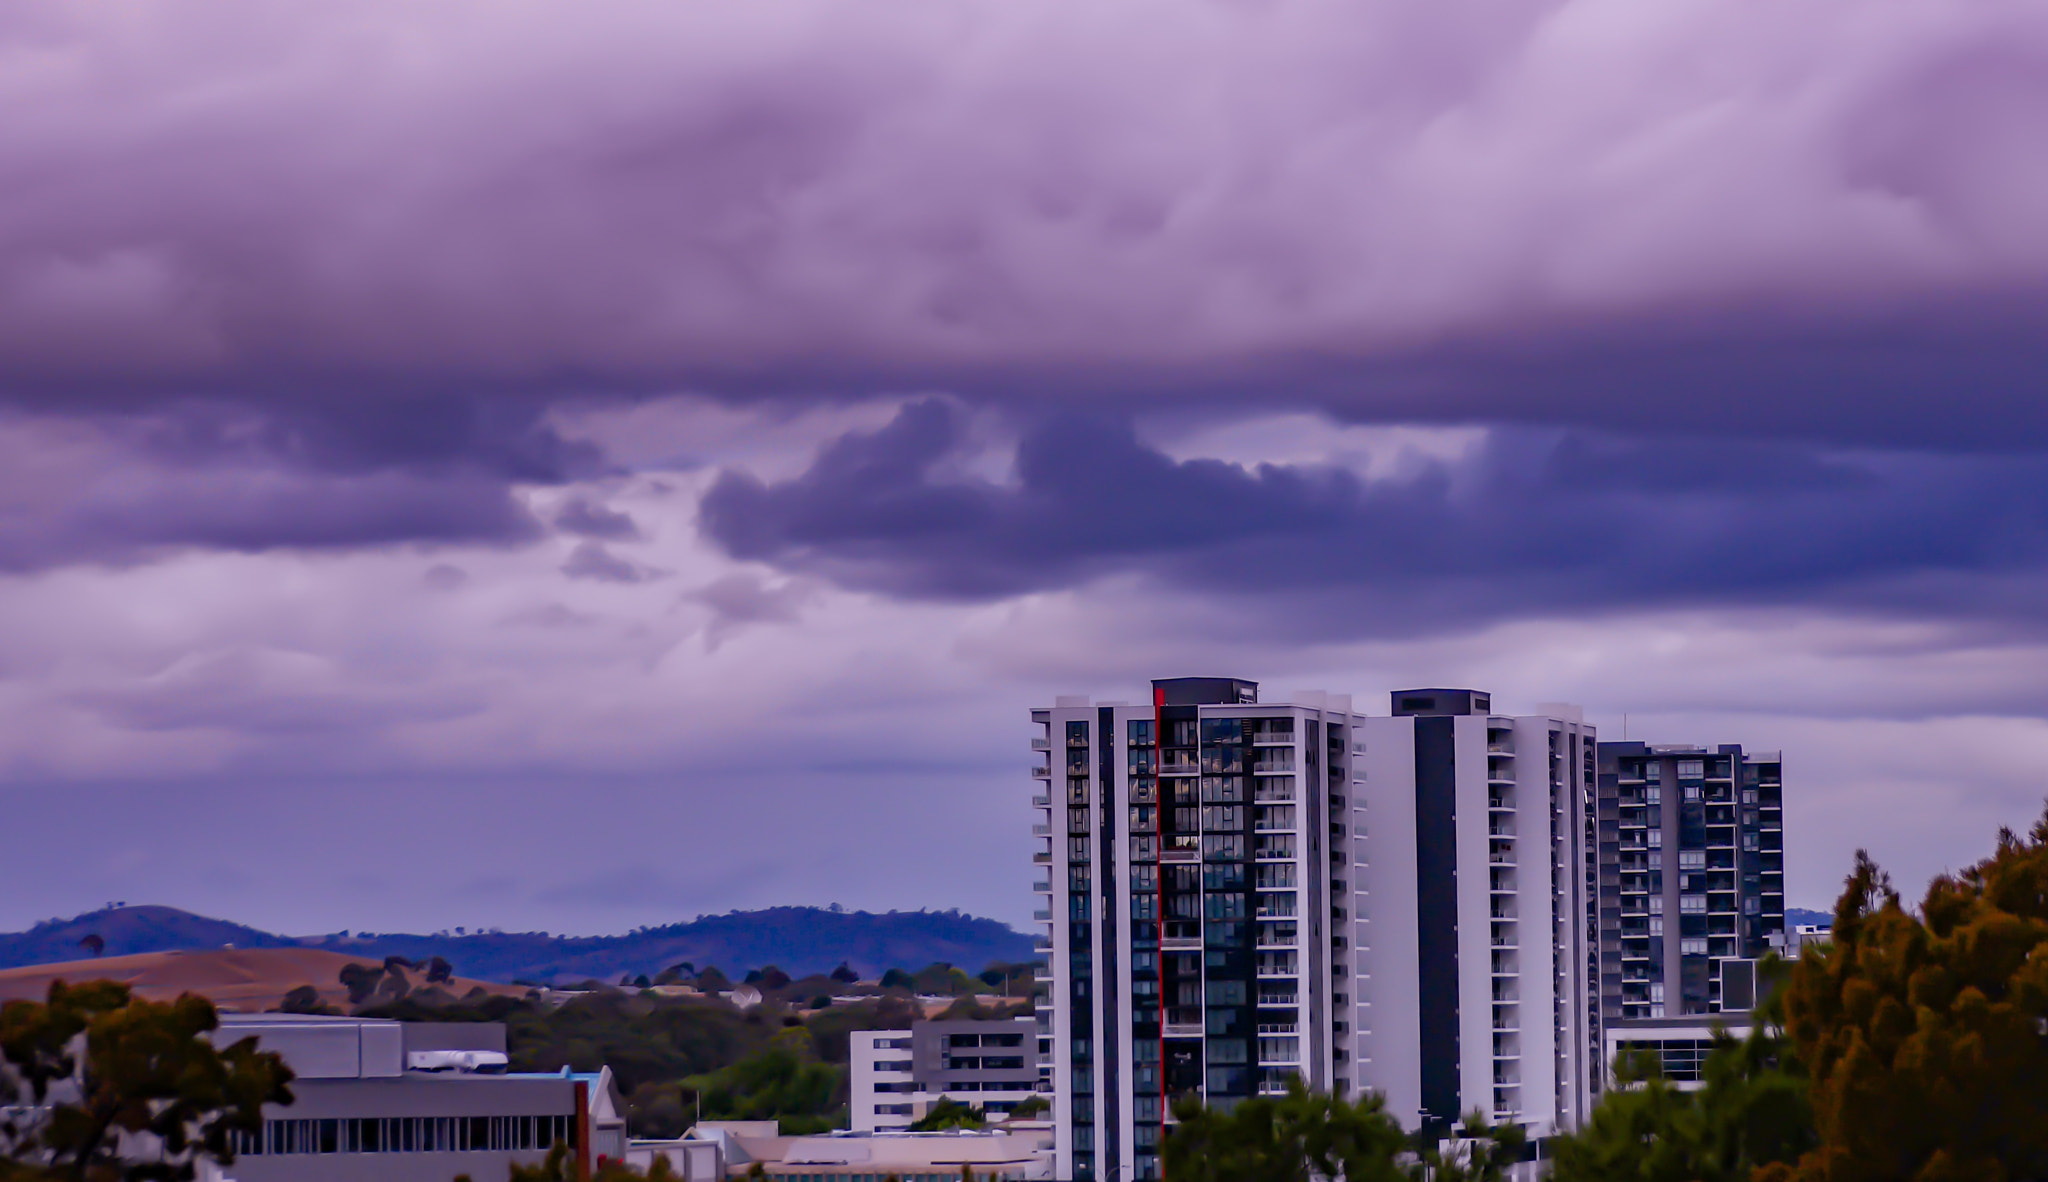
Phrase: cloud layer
(1528, 523)
(711, 413)
(1813, 219)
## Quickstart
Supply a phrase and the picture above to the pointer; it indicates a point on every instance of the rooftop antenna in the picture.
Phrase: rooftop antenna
(1624, 726)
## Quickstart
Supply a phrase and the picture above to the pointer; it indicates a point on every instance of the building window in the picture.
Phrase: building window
(1688, 769)
(1223, 847)
(1692, 904)
(418, 1134)
(1692, 946)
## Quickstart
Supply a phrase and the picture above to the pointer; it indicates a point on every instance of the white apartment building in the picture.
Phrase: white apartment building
(1241, 893)
(899, 1075)
(1475, 876)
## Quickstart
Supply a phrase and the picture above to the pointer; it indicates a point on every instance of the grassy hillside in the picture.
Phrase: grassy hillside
(800, 940)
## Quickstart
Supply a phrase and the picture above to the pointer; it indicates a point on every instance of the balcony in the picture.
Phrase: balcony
(1279, 999)
(1270, 766)
(1041, 830)
(1272, 738)
(1042, 916)
(1042, 800)
(1041, 772)
(1042, 858)
(1279, 1028)
(1043, 888)
(1183, 1030)
(1041, 744)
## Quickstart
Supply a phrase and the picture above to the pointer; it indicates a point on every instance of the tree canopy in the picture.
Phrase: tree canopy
(1293, 1138)
(1750, 1112)
(1926, 1037)
(92, 1065)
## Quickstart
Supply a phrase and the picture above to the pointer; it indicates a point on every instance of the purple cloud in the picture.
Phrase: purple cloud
(1531, 211)
(1533, 522)
(590, 519)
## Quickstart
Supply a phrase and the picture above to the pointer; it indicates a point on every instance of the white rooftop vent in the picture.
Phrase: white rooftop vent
(465, 1062)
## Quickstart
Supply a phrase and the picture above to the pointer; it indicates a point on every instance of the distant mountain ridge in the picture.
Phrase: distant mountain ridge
(800, 940)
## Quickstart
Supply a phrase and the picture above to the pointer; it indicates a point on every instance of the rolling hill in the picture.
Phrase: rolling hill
(798, 939)
(250, 980)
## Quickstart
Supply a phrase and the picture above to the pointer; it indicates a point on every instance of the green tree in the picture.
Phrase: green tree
(948, 1114)
(1293, 1138)
(146, 1069)
(1923, 1035)
(1749, 1112)
(785, 1082)
(1482, 1152)
(558, 1166)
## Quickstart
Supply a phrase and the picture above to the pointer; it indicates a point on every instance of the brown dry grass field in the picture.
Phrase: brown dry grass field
(246, 980)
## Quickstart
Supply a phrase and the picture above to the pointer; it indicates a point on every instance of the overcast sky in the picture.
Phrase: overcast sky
(511, 465)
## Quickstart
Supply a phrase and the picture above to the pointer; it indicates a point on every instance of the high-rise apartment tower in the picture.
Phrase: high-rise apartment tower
(1241, 893)
(1692, 876)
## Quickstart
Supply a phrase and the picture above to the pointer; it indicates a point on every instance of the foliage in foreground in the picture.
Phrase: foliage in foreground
(1307, 1135)
(1926, 1036)
(1751, 1112)
(147, 1070)
(558, 1166)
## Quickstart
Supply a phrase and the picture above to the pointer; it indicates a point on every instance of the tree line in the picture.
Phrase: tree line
(1913, 1046)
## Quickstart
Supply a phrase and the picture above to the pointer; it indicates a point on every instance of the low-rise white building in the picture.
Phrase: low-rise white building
(1680, 1046)
(1019, 1151)
(899, 1075)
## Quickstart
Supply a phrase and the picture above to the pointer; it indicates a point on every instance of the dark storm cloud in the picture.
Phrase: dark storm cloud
(120, 484)
(588, 518)
(1818, 221)
(92, 498)
(1533, 521)
(590, 560)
